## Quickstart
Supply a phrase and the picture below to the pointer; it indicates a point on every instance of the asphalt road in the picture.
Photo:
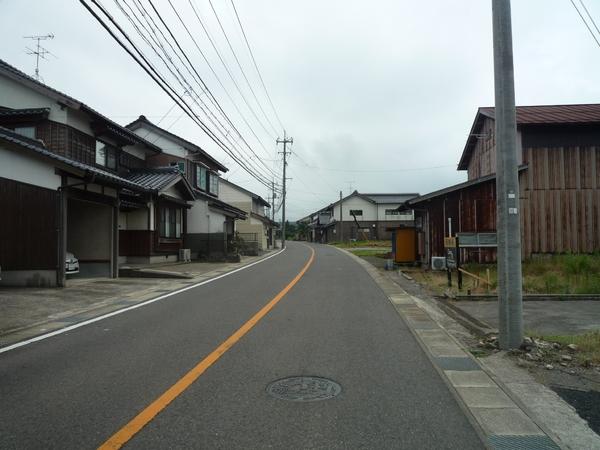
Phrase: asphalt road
(77, 389)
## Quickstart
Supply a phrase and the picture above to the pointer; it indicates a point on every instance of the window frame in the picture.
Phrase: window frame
(18, 129)
(213, 177)
(201, 177)
(356, 212)
(110, 155)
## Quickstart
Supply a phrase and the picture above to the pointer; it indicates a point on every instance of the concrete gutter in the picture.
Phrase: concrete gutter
(500, 418)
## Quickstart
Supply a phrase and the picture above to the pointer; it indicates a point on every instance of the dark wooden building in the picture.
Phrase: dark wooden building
(559, 178)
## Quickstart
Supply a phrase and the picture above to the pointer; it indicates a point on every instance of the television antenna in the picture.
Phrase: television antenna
(39, 52)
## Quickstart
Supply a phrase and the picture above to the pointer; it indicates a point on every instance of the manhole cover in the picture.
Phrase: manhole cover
(304, 389)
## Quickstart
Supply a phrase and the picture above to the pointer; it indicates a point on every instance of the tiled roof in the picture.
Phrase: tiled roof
(154, 179)
(588, 113)
(75, 104)
(35, 146)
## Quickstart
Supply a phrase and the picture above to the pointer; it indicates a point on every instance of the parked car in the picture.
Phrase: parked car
(71, 264)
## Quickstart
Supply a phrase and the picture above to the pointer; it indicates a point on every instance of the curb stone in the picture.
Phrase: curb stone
(501, 422)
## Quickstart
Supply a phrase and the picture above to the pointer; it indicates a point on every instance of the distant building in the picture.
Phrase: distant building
(256, 228)
(360, 217)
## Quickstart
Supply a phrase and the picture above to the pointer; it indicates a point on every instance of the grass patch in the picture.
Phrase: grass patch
(377, 253)
(588, 344)
(551, 274)
(354, 244)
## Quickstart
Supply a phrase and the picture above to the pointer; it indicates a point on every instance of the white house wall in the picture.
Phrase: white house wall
(369, 209)
(167, 145)
(29, 169)
(202, 219)
(136, 150)
(15, 95)
(235, 197)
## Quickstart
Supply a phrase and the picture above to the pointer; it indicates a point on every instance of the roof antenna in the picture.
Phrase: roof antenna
(39, 52)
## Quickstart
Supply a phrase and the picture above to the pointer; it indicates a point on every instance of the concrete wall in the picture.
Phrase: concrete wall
(27, 168)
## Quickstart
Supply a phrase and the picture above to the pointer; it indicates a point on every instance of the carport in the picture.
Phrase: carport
(90, 236)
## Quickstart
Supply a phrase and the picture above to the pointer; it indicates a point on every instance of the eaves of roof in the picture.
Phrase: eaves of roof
(62, 98)
(36, 147)
(423, 198)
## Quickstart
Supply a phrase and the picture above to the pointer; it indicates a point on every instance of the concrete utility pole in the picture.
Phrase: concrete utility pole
(273, 233)
(510, 298)
(341, 217)
(284, 141)
(39, 52)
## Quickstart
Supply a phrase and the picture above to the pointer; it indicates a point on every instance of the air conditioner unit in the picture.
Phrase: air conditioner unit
(185, 254)
(438, 263)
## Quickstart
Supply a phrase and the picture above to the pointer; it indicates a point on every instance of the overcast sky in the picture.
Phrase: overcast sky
(378, 96)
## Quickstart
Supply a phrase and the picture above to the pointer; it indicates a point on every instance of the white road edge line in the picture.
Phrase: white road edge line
(129, 308)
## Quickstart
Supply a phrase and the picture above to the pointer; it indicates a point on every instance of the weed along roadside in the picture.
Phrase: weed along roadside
(552, 275)
(561, 353)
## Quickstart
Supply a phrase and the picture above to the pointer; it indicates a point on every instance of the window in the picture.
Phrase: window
(106, 155)
(392, 212)
(170, 222)
(356, 212)
(26, 131)
(213, 187)
(180, 165)
(201, 174)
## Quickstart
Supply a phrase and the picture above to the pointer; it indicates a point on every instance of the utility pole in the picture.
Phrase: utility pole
(341, 218)
(510, 297)
(273, 204)
(39, 52)
(284, 141)
(273, 234)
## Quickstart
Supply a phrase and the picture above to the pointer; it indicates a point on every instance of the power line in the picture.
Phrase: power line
(181, 79)
(143, 62)
(240, 65)
(590, 16)
(191, 36)
(585, 22)
(256, 65)
(226, 67)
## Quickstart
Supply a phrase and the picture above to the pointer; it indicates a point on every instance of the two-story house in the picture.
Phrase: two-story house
(210, 223)
(558, 150)
(66, 174)
(360, 216)
(256, 227)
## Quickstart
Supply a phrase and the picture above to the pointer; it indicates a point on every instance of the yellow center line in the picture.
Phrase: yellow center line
(122, 436)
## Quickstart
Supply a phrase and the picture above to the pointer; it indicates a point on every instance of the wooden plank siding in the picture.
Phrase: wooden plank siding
(483, 158)
(560, 200)
(29, 226)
